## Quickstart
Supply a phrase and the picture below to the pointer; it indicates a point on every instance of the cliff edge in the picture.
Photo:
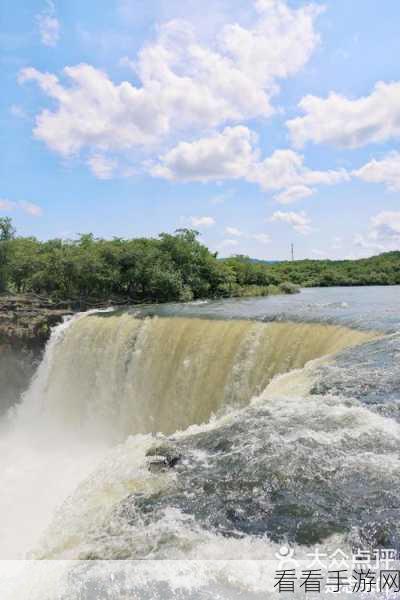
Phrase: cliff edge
(25, 326)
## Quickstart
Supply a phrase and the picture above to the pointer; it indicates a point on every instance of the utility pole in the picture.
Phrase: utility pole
(292, 249)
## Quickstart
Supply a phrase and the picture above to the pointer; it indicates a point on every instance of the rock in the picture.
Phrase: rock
(25, 326)
(161, 459)
(26, 321)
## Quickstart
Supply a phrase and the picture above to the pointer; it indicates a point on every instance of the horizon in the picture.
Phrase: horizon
(76, 238)
(266, 123)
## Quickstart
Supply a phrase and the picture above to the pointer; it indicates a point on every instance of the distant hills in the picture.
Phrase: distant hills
(383, 269)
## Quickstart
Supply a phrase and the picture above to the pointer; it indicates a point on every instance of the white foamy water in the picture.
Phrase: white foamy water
(40, 463)
(73, 464)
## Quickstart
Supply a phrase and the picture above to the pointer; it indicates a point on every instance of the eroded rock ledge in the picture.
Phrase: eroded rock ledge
(25, 326)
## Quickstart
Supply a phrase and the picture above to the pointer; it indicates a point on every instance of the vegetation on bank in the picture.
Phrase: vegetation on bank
(90, 271)
(172, 267)
(376, 270)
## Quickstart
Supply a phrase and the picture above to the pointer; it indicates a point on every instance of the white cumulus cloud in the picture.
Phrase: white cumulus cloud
(386, 226)
(278, 46)
(260, 238)
(101, 166)
(226, 155)
(349, 123)
(383, 233)
(298, 221)
(95, 113)
(201, 221)
(180, 84)
(386, 171)
(34, 210)
(366, 242)
(234, 154)
(294, 193)
(284, 171)
(233, 231)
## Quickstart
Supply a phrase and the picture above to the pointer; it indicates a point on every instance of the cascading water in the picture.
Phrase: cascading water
(119, 375)
(273, 447)
(34, 451)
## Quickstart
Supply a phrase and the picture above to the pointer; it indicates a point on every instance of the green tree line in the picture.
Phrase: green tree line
(383, 269)
(171, 267)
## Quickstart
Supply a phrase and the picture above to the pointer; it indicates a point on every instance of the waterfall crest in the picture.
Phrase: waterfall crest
(119, 375)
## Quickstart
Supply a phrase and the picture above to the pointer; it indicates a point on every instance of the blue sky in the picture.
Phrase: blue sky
(259, 123)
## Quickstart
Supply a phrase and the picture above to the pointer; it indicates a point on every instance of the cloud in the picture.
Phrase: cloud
(101, 166)
(386, 226)
(233, 231)
(284, 171)
(383, 233)
(298, 221)
(234, 154)
(386, 171)
(366, 243)
(7, 205)
(31, 209)
(94, 113)
(349, 123)
(228, 243)
(280, 44)
(49, 26)
(241, 240)
(28, 207)
(183, 84)
(294, 193)
(201, 221)
(208, 16)
(226, 155)
(261, 238)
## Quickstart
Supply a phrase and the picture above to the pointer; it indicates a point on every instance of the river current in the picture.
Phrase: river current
(179, 451)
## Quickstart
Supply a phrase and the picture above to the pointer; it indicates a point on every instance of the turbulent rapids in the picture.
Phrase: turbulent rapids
(286, 432)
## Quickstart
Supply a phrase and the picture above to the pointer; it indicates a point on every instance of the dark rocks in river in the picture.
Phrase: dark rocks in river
(162, 458)
(300, 491)
(25, 325)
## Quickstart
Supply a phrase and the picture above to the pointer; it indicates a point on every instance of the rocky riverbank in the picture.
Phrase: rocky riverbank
(25, 326)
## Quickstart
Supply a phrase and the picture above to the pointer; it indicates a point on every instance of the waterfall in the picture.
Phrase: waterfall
(116, 376)
(106, 378)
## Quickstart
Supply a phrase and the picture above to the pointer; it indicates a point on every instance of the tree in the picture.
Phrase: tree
(170, 268)
(7, 233)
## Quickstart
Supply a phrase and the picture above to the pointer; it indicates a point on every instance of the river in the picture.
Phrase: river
(282, 415)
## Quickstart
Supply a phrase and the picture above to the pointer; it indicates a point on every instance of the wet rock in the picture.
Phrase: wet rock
(25, 326)
(26, 321)
(162, 458)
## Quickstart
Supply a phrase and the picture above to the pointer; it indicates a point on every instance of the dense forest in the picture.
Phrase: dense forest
(172, 267)
(90, 271)
(376, 270)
